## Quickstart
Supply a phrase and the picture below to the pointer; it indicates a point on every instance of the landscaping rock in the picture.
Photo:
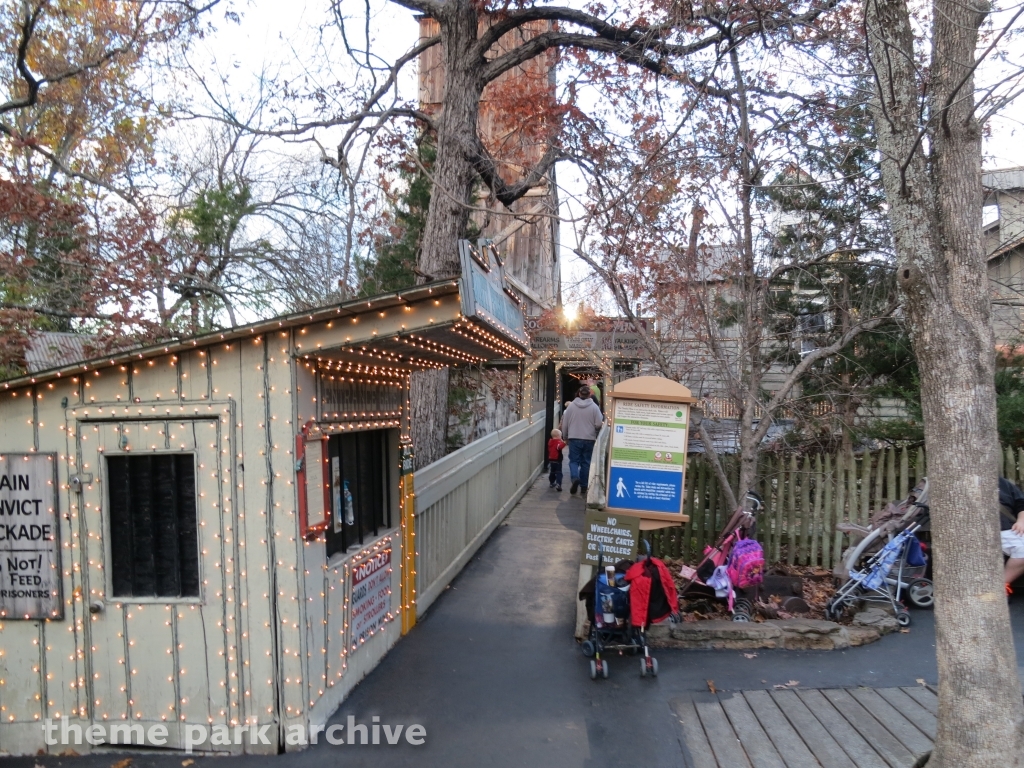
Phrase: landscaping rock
(862, 635)
(812, 634)
(791, 634)
(877, 618)
(723, 634)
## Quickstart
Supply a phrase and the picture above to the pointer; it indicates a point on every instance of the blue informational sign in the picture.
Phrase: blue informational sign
(647, 461)
(645, 489)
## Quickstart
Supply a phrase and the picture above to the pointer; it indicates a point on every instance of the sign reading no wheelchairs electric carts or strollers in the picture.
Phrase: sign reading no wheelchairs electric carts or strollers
(650, 418)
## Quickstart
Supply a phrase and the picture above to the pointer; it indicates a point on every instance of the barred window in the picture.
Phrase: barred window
(154, 539)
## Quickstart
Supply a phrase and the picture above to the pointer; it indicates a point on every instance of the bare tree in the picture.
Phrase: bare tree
(929, 124)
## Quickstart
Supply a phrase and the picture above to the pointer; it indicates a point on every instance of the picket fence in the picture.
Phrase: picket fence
(805, 497)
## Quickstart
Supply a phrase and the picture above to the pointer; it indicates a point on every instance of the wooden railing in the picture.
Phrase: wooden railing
(463, 497)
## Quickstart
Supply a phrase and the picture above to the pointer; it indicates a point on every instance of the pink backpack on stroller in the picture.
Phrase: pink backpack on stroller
(746, 564)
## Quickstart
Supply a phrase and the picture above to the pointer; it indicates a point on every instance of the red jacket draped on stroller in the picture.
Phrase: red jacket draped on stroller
(652, 592)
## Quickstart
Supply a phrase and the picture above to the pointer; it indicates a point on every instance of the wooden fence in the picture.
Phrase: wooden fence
(805, 497)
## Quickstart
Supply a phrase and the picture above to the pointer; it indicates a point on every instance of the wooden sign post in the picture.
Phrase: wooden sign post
(650, 419)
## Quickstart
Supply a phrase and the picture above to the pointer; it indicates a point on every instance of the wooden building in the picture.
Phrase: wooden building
(218, 531)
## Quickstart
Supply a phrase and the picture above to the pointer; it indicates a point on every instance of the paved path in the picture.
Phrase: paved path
(493, 672)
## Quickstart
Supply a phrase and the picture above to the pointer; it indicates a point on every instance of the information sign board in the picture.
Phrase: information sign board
(648, 456)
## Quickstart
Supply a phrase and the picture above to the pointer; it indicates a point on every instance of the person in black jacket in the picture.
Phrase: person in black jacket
(1011, 530)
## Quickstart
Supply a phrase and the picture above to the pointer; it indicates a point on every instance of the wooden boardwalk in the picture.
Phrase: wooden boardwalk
(807, 728)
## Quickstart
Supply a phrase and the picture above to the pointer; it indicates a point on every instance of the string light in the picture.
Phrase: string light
(182, 397)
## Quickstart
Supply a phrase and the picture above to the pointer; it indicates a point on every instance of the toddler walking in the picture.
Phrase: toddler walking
(555, 447)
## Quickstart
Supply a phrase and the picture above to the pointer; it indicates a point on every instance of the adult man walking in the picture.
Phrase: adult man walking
(581, 422)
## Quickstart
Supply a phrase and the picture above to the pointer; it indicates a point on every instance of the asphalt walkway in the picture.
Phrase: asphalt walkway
(495, 676)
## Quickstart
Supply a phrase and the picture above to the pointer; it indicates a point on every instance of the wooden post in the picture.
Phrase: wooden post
(700, 507)
(904, 472)
(817, 534)
(865, 488)
(691, 493)
(827, 517)
(890, 469)
(768, 513)
(805, 509)
(840, 507)
(791, 512)
(408, 575)
(879, 474)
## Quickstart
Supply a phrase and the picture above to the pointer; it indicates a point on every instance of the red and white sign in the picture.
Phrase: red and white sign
(371, 596)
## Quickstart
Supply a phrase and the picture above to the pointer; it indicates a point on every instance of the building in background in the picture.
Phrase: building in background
(1004, 247)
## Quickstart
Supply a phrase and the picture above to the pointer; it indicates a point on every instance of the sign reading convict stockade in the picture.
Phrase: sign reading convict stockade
(29, 548)
(614, 535)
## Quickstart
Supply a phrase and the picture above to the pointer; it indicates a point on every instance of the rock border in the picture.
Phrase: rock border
(789, 634)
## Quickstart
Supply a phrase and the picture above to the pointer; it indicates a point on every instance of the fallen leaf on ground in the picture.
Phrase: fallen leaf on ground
(920, 681)
(904, 631)
(750, 655)
(711, 686)
(790, 684)
(68, 753)
(122, 763)
(187, 763)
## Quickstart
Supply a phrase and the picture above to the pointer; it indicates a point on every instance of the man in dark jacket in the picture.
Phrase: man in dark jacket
(581, 422)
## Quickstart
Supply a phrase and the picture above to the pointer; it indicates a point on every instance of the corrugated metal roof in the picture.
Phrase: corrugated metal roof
(1003, 179)
(51, 349)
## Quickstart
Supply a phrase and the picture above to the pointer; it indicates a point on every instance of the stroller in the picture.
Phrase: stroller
(912, 564)
(621, 612)
(875, 583)
(701, 581)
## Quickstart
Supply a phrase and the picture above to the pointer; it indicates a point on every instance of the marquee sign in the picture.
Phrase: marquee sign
(30, 575)
(485, 294)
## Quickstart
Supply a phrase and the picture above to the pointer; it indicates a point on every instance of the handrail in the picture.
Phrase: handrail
(436, 480)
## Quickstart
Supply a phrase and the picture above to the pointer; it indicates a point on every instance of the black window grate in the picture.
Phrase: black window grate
(363, 461)
(154, 538)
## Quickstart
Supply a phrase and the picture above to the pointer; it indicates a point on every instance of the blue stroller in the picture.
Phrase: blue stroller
(610, 625)
(874, 583)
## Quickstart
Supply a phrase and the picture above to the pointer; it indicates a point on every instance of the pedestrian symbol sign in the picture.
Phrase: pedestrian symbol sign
(647, 457)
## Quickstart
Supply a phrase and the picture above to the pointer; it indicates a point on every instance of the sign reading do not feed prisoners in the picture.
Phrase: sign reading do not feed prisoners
(30, 575)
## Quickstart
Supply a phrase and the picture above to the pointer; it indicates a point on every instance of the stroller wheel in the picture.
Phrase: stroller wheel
(903, 618)
(740, 616)
(654, 667)
(643, 667)
(921, 593)
(588, 649)
(593, 670)
(604, 668)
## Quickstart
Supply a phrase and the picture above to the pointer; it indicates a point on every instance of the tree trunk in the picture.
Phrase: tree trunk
(447, 214)
(933, 188)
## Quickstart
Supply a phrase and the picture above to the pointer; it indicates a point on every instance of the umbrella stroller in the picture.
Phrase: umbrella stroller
(874, 582)
(885, 524)
(732, 568)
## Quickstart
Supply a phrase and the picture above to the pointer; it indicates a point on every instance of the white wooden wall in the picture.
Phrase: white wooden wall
(214, 660)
